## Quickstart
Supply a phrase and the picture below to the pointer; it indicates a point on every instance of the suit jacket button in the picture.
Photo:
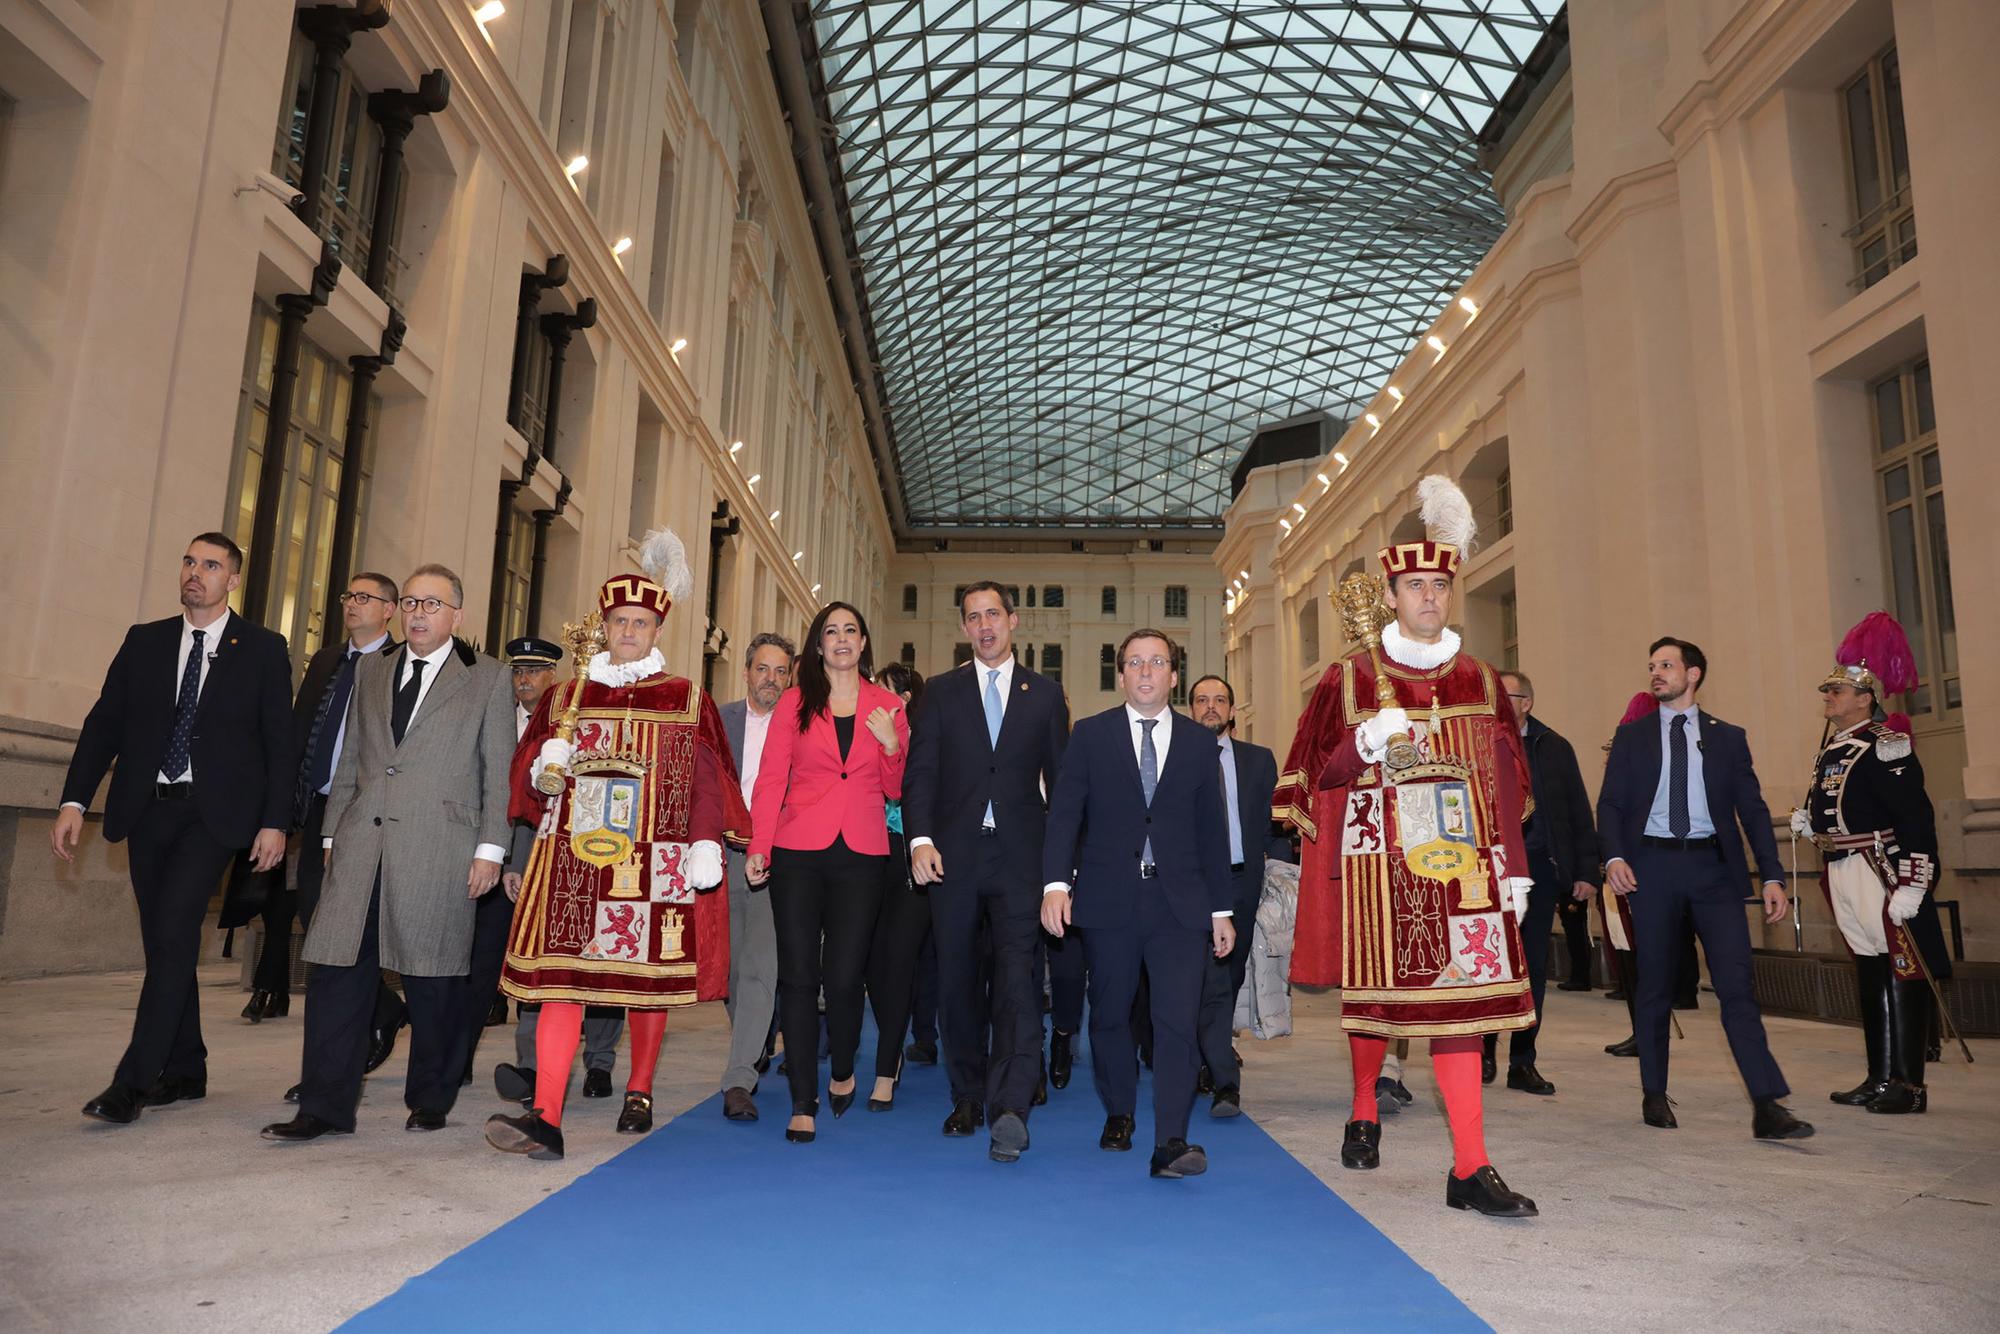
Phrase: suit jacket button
(1149, 819)
(378, 819)
(843, 776)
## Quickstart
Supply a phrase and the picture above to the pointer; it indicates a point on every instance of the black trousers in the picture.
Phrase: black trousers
(1575, 919)
(924, 997)
(492, 921)
(823, 906)
(1222, 978)
(992, 1033)
(1535, 930)
(282, 903)
(1677, 886)
(900, 928)
(1066, 981)
(176, 866)
(1173, 957)
(340, 1005)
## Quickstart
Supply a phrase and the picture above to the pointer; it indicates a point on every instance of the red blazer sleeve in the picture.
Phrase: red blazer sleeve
(774, 772)
(892, 765)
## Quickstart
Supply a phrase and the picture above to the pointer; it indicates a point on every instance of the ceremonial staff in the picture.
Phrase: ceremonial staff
(1359, 598)
(585, 639)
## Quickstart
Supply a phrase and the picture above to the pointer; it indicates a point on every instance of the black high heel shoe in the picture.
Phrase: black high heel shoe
(887, 1104)
(808, 1108)
(840, 1102)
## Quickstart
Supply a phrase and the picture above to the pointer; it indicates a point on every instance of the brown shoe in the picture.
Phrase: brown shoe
(738, 1105)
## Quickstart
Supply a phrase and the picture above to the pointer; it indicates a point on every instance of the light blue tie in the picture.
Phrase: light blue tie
(1229, 800)
(992, 722)
(1149, 777)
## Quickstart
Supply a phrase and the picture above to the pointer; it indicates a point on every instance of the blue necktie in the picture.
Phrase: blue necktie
(1678, 820)
(319, 746)
(176, 762)
(1229, 801)
(1149, 777)
(993, 715)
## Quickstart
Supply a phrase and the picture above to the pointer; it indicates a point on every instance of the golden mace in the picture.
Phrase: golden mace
(585, 638)
(1359, 598)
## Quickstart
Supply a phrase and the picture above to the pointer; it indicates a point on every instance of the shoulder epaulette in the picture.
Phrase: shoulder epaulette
(1891, 744)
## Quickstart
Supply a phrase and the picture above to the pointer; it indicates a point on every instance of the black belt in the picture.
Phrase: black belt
(1711, 843)
(1147, 871)
(1237, 867)
(180, 791)
(987, 831)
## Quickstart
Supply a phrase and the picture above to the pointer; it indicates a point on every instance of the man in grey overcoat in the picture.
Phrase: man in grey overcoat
(416, 832)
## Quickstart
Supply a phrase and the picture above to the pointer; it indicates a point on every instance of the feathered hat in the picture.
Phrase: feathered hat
(1447, 518)
(1875, 656)
(667, 580)
(1642, 704)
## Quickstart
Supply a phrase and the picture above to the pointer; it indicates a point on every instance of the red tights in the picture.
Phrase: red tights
(558, 1032)
(1456, 1064)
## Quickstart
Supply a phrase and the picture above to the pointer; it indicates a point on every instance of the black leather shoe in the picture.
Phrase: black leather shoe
(637, 1118)
(1228, 1101)
(177, 1089)
(515, 1083)
(1176, 1159)
(1900, 1099)
(118, 1104)
(526, 1133)
(1361, 1146)
(301, 1128)
(292, 1094)
(840, 1102)
(1867, 1091)
(1041, 1098)
(1391, 1096)
(965, 1118)
(1774, 1120)
(382, 1043)
(1629, 1047)
(496, 1014)
(1062, 1060)
(1489, 1067)
(1117, 1135)
(1529, 1080)
(1658, 1111)
(1573, 986)
(1484, 1192)
(597, 1083)
(1010, 1137)
(738, 1105)
(423, 1118)
(1204, 1081)
(920, 1053)
(260, 999)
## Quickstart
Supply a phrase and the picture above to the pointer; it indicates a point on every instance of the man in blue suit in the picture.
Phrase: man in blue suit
(1676, 787)
(1137, 858)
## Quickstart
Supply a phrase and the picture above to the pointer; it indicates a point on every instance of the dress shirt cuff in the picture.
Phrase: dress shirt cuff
(490, 852)
(1226, 912)
(326, 845)
(1053, 886)
(71, 806)
(1611, 862)
(921, 841)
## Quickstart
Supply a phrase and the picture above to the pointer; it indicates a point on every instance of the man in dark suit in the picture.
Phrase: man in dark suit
(1676, 787)
(193, 711)
(1249, 777)
(1137, 858)
(987, 741)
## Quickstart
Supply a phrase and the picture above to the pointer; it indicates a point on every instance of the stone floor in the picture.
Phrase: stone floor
(187, 1220)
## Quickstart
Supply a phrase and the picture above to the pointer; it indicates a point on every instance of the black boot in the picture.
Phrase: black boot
(1909, 1024)
(1871, 979)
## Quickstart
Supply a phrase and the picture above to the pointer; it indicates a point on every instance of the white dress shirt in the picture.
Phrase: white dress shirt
(340, 734)
(209, 634)
(1005, 685)
(521, 720)
(756, 727)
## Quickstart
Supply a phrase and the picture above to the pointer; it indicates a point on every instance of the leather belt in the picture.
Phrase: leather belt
(1147, 871)
(180, 791)
(987, 831)
(1236, 868)
(1710, 843)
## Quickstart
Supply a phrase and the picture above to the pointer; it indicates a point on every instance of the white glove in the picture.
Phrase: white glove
(1903, 904)
(704, 864)
(1371, 739)
(555, 751)
(1517, 888)
(1802, 823)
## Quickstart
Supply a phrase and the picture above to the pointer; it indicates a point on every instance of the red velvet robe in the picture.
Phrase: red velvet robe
(606, 915)
(1414, 955)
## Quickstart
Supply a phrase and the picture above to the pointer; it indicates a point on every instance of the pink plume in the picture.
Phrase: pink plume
(1641, 705)
(1879, 641)
(1898, 722)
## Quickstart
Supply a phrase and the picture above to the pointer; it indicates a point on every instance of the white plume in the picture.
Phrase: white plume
(665, 562)
(1446, 513)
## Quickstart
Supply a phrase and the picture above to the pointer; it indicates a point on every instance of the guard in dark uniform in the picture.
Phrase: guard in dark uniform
(1872, 821)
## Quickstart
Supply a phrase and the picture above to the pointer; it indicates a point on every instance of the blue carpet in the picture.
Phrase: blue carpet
(884, 1224)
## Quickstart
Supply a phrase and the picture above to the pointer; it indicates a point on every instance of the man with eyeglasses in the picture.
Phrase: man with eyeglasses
(415, 831)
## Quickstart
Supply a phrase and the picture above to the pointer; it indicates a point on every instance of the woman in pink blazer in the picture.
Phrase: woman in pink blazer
(834, 755)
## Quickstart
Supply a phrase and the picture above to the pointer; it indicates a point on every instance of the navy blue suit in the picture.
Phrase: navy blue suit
(1702, 882)
(1256, 780)
(1099, 823)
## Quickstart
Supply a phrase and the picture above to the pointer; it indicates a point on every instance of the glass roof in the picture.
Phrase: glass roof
(1101, 243)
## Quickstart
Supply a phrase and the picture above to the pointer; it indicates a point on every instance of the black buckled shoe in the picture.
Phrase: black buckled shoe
(1528, 1080)
(965, 1118)
(1117, 1136)
(1062, 1058)
(1485, 1193)
(637, 1118)
(1658, 1111)
(597, 1083)
(1774, 1120)
(527, 1134)
(1176, 1159)
(1900, 1099)
(1361, 1146)
(119, 1104)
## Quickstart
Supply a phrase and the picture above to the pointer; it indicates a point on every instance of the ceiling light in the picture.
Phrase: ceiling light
(487, 12)
(1465, 303)
(576, 166)
(1300, 508)
(775, 514)
(1285, 524)
(621, 245)
(798, 556)
(1436, 344)
(1373, 421)
(815, 589)
(735, 446)
(1395, 393)
(678, 344)
(1341, 459)
(1244, 575)
(1324, 481)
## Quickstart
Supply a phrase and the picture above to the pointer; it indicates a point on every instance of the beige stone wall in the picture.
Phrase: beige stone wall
(1671, 362)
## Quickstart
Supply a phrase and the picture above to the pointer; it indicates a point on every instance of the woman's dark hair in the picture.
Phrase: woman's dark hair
(815, 688)
(900, 678)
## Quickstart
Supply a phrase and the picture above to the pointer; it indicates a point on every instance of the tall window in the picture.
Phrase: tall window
(520, 572)
(1052, 596)
(1107, 666)
(1180, 695)
(1912, 492)
(909, 599)
(1309, 632)
(1052, 662)
(1109, 604)
(1510, 632)
(1878, 170)
(909, 655)
(656, 276)
(1176, 602)
(1503, 503)
(315, 453)
(347, 189)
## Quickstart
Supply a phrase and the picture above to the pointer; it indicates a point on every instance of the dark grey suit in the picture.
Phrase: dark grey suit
(753, 945)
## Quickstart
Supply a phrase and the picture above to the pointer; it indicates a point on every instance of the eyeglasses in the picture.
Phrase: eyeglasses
(363, 599)
(1512, 695)
(1156, 662)
(429, 606)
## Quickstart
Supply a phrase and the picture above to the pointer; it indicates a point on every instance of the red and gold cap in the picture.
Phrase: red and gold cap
(633, 590)
(1424, 557)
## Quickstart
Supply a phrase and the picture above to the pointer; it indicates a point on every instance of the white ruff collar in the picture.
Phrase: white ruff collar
(607, 673)
(1408, 652)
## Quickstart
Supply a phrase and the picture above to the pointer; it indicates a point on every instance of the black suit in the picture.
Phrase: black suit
(1256, 780)
(182, 840)
(955, 770)
(1562, 849)
(1703, 882)
(1132, 915)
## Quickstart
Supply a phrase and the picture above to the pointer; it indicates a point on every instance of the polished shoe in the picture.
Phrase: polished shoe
(174, 1089)
(1176, 1159)
(1774, 1120)
(527, 1134)
(1529, 1080)
(965, 1118)
(292, 1094)
(1062, 1059)
(738, 1105)
(840, 1102)
(496, 1014)
(1484, 1192)
(597, 1083)
(1010, 1137)
(1041, 1098)
(1489, 1067)
(267, 1005)
(1900, 1099)
(382, 1043)
(1117, 1136)
(515, 1083)
(921, 1053)
(1228, 1101)
(1204, 1082)
(118, 1104)
(1361, 1145)
(637, 1118)
(803, 1136)
(1657, 1110)
(423, 1118)
(301, 1128)
(1867, 1091)
(1391, 1096)
(1573, 986)
(1629, 1047)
